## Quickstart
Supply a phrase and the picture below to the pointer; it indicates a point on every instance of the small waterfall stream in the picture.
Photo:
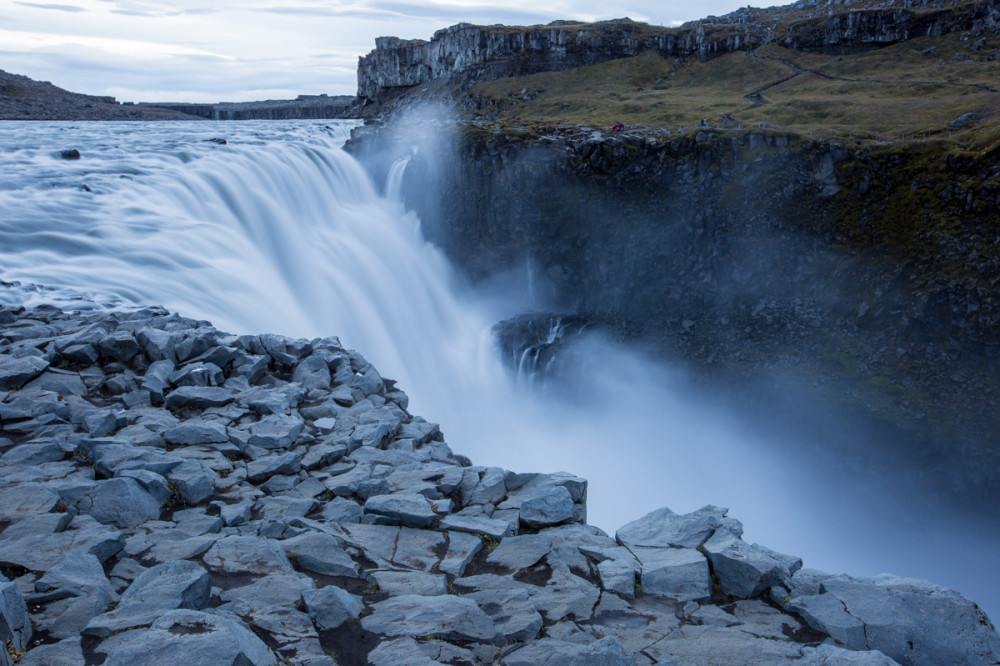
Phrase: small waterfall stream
(278, 230)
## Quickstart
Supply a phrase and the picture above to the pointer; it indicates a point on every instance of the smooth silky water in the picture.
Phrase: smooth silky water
(279, 230)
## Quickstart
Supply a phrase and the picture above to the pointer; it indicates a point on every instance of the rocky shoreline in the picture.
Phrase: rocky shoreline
(171, 492)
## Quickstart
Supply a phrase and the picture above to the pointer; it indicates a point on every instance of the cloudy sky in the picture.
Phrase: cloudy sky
(235, 50)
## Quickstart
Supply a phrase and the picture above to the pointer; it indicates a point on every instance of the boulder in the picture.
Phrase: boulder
(911, 621)
(746, 570)
(520, 552)
(121, 502)
(16, 372)
(155, 591)
(320, 553)
(247, 555)
(398, 583)
(15, 624)
(665, 529)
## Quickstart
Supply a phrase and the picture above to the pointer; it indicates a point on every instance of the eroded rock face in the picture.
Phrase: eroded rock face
(328, 525)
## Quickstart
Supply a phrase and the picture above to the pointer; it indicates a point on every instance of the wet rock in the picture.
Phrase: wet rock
(447, 616)
(192, 637)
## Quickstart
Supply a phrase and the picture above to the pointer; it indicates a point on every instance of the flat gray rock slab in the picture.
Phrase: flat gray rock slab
(26, 500)
(121, 502)
(462, 549)
(275, 432)
(320, 553)
(546, 508)
(911, 621)
(67, 652)
(77, 574)
(264, 468)
(418, 549)
(746, 570)
(552, 652)
(681, 574)
(406, 509)
(331, 606)
(398, 583)
(494, 529)
(400, 651)
(721, 646)
(33, 454)
(114, 458)
(16, 372)
(194, 637)
(448, 617)
(512, 612)
(196, 433)
(199, 397)
(291, 632)
(276, 589)
(520, 552)
(832, 655)
(155, 591)
(663, 528)
(617, 577)
(247, 555)
(41, 552)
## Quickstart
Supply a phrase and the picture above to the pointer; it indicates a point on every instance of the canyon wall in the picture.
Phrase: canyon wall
(465, 54)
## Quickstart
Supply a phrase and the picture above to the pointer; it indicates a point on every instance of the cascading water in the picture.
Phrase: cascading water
(279, 230)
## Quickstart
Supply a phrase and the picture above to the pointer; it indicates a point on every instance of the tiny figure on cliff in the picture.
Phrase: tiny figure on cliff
(617, 127)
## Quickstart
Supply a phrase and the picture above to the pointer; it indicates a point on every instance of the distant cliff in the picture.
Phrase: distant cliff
(304, 107)
(465, 54)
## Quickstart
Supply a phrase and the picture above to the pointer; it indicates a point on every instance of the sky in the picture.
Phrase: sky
(240, 50)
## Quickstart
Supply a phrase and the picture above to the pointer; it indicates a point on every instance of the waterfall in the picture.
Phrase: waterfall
(278, 230)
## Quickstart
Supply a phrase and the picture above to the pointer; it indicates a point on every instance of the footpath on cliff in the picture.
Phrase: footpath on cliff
(171, 493)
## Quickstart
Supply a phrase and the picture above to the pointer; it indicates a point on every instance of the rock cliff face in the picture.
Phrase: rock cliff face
(465, 54)
(766, 254)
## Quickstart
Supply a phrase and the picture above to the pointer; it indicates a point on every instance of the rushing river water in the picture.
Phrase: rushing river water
(278, 230)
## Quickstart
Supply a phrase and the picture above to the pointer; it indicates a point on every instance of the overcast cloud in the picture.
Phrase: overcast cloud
(235, 50)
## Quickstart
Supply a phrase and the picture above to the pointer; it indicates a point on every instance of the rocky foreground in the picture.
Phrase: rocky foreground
(173, 494)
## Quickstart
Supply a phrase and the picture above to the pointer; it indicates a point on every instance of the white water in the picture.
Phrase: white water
(280, 231)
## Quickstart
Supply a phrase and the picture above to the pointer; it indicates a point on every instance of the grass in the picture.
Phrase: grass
(913, 89)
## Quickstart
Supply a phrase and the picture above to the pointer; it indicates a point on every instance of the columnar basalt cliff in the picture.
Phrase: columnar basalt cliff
(464, 54)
